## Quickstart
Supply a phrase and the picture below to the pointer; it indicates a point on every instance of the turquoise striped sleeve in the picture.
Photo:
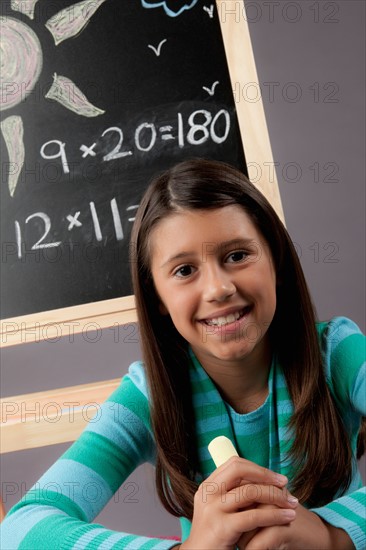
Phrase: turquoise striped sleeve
(343, 346)
(58, 510)
(348, 513)
(358, 392)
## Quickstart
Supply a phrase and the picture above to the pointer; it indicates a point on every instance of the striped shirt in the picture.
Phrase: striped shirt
(57, 513)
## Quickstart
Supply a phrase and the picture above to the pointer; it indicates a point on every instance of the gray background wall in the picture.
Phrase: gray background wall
(311, 63)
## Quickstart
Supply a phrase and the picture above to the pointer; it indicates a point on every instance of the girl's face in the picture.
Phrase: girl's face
(215, 277)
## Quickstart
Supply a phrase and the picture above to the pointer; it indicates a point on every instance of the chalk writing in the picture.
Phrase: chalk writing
(157, 50)
(98, 233)
(116, 220)
(211, 91)
(61, 153)
(88, 151)
(115, 153)
(74, 220)
(209, 10)
(42, 224)
(200, 126)
(39, 244)
(73, 175)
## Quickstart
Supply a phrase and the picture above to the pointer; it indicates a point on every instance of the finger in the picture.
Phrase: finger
(245, 539)
(256, 517)
(254, 493)
(236, 470)
(264, 539)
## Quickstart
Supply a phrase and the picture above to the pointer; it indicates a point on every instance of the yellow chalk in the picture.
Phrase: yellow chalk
(221, 449)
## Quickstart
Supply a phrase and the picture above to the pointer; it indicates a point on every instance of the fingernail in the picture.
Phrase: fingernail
(282, 480)
(292, 499)
(289, 514)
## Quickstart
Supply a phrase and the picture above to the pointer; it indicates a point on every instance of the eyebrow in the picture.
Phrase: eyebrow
(224, 245)
(176, 257)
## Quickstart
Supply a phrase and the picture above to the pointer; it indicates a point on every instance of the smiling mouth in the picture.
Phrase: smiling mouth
(227, 319)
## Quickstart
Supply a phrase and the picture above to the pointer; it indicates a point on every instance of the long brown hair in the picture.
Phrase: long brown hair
(320, 435)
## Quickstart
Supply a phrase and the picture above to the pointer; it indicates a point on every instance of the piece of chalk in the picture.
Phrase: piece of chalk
(221, 449)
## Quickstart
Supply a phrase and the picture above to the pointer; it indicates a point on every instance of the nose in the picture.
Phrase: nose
(218, 285)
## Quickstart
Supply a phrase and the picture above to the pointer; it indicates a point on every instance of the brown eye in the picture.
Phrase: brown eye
(237, 256)
(184, 271)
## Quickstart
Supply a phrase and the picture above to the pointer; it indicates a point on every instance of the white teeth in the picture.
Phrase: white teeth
(221, 321)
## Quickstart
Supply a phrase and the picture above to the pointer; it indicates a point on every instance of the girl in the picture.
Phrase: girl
(231, 347)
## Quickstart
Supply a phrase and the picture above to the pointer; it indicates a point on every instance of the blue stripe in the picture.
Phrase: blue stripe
(197, 374)
(242, 429)
(357, 507)
(88, 537)
(112, 540)
(339, 329)
(136, 372)
(284, 434)
(204, 454)
(358, 393)
(90, 492)
(29, 517)
(125, 429)
(285, 407)
(254, 421)
(137, 543)
(211, 424)
(206, 398)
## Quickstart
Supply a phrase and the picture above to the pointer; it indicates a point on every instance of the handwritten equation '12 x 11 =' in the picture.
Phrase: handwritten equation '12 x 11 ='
(73, 222)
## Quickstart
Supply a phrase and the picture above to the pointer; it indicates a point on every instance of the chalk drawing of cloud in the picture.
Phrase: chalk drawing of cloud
(173, 8)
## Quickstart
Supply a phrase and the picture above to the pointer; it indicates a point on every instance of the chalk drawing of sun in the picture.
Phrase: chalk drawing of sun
(21, 65)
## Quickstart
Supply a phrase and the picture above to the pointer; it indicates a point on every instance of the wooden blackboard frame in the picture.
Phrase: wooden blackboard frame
(58, 323)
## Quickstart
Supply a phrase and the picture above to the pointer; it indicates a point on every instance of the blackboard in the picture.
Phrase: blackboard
(97, 97)
(103, 94)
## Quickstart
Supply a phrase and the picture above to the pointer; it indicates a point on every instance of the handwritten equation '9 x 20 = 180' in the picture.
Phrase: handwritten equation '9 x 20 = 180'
(203, 126)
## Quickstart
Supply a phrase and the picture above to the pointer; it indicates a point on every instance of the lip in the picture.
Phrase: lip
(225, 312)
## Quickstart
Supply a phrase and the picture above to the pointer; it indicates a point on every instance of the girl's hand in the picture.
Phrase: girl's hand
(306, 531)
(225, 505)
